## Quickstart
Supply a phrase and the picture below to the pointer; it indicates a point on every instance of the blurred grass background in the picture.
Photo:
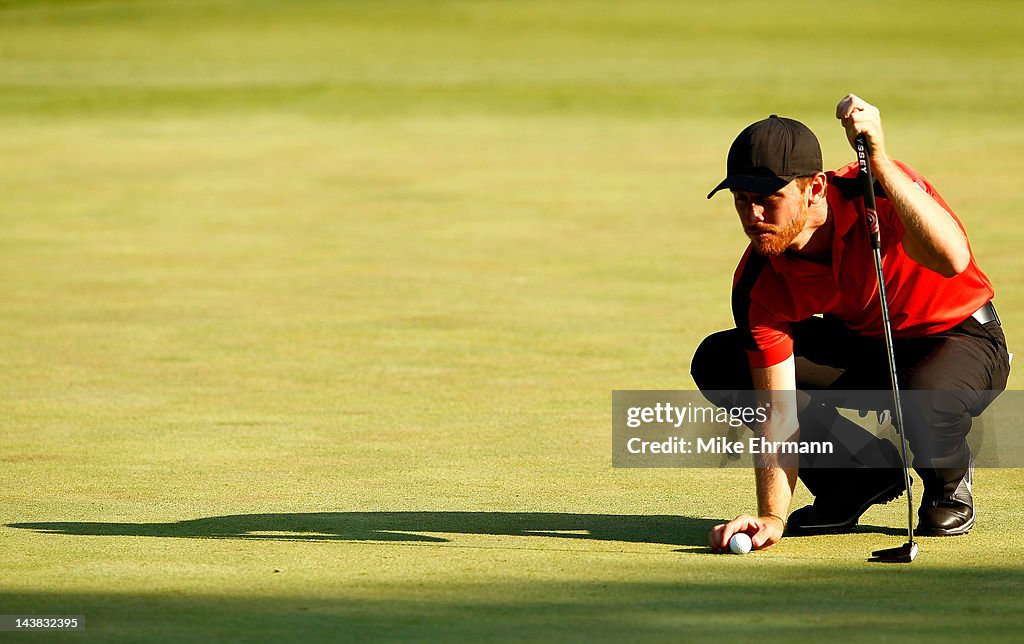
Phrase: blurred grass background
(387, 256)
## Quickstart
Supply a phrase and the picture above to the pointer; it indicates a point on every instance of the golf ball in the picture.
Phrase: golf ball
(740, 543)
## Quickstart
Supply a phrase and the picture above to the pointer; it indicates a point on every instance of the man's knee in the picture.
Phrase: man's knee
(720, 362)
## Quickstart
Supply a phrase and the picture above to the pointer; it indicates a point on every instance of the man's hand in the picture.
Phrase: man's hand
(860, 117)
(764, 532)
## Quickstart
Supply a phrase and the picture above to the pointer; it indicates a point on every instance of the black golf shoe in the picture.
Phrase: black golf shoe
(948, 516)
(838, 509)
(944, 518)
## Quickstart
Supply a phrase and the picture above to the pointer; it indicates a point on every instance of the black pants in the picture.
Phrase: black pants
(945, 379)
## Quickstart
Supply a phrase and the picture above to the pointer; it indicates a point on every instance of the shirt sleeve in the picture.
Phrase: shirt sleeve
(767, 339)
(771, 338)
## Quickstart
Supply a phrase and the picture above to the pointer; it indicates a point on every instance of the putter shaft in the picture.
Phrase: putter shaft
(871, 219)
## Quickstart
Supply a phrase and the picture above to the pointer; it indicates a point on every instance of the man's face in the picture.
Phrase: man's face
(774, 220)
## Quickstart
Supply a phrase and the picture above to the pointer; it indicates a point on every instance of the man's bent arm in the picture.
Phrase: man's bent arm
(933, 238)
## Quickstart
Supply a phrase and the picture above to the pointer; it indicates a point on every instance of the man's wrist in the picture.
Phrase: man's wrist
(781, 520)
(882, 163)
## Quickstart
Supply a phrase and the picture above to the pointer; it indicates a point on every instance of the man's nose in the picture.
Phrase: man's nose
(753, 213)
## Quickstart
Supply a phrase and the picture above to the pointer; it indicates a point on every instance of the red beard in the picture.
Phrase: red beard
(776, 239)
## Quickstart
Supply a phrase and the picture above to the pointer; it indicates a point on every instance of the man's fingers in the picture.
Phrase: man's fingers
(715, 538)
(760, 537)
(763, 534)
(842, 106)
(742, 523)
(720, 535)
(731, 528)
(847, 106)
(857, 116)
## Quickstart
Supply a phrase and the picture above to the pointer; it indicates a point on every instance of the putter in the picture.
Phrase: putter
(908, 551)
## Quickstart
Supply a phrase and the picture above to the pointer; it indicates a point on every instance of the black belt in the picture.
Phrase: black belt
(986, 314)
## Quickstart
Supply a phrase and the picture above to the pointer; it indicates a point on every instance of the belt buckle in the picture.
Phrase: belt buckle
(987, 313)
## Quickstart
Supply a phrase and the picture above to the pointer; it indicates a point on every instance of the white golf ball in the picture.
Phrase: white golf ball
(740, 543)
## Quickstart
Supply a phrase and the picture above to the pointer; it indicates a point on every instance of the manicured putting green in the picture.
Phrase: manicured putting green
(311, 312)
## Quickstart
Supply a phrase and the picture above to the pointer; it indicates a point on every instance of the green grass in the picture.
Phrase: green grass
(340, 290)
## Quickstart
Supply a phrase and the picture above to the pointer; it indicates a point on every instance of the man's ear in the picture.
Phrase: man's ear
(818, 188)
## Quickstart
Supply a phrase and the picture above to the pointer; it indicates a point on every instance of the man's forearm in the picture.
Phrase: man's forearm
(775, 490)
(775, 474)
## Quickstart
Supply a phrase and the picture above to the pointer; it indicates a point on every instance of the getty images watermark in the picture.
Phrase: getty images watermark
(690, 415)
(836, 429)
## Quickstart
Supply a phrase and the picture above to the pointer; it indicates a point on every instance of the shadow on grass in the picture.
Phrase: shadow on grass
(407, 527)
(695, 602)
(689, 532)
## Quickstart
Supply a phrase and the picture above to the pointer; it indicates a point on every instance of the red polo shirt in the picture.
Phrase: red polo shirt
(770, 293)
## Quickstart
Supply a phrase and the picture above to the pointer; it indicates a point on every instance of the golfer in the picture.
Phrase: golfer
(808, 318)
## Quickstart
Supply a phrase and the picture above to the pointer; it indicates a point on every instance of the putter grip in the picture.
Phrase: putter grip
(870, 214)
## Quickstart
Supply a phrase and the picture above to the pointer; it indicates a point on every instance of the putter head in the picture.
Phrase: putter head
(903, 554)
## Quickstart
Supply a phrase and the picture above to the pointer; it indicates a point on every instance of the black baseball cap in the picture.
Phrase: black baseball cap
(769, 154)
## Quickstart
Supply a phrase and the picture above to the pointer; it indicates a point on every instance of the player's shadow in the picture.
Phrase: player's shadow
(423, 527)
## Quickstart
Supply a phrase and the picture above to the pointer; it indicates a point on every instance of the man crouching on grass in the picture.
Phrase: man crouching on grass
(810, 254)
